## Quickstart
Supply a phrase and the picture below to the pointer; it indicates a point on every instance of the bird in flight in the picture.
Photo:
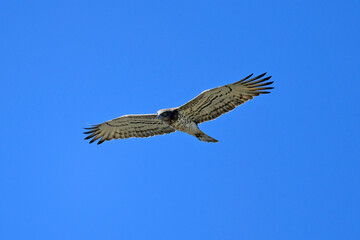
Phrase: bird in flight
(207, 106)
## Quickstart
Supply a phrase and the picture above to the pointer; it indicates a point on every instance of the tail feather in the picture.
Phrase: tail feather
(205, 138)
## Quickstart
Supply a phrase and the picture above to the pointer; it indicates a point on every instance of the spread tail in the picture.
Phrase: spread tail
(205, 138)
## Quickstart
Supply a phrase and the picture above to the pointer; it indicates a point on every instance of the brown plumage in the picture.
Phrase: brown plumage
(207, 106)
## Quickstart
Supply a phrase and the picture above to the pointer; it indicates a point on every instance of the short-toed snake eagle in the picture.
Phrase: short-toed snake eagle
(207, 106)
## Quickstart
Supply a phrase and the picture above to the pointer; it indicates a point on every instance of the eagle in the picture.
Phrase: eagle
(207, 106)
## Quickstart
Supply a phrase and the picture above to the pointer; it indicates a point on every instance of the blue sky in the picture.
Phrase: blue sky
(287, 164)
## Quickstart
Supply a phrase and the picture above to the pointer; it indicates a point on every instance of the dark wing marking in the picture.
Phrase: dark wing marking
(128, 126)
(212, 103)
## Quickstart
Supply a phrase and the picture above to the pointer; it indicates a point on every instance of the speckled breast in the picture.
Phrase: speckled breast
(184, 124)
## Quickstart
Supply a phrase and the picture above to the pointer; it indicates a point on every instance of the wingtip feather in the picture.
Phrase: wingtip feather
(101, 141)
(244, 79)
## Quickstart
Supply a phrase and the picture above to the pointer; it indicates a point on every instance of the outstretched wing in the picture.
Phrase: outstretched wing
(212, 103)
(145, 125)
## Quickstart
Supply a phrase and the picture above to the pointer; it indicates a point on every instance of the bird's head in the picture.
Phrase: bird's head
(167, 115)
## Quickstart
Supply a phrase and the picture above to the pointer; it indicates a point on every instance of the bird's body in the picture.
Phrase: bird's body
(183, 123)
(207, 106)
